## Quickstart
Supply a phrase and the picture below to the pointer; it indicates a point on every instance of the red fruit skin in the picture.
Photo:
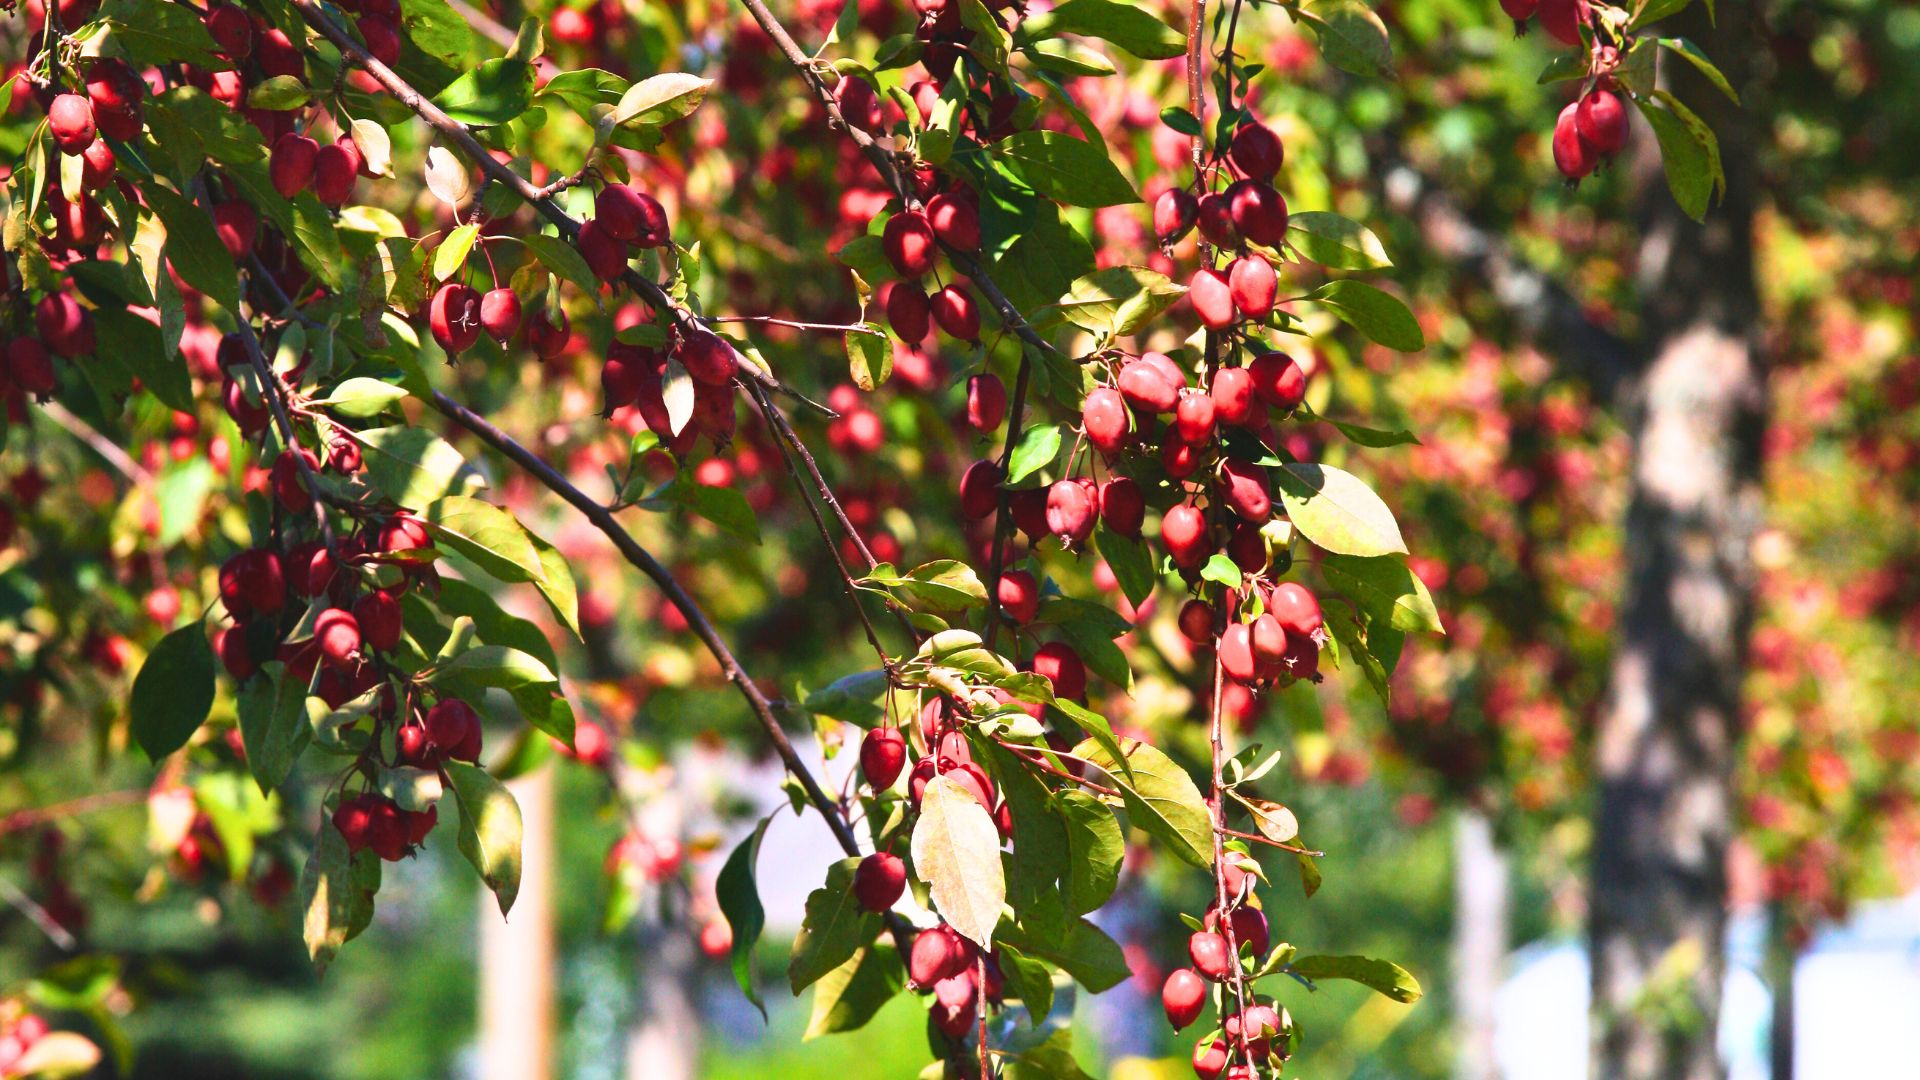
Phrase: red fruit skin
(1243, 487)
(1208, 951)
(879, 881)
(1258, 1024)
(70, 118)
(237, 226)
(292, 163)
(1296, 608)
(956, 313)
(1249, 925)
(1278, 381)
(29, 366)
(1019, 596)
(1269, 640)
(338, 633)
(500, 314)
(548, 339)
(1519, 11)
(883, 753)
(278, 55)
(1070, 512)
(1562, 19)
(1104, 417)
(1183, 531)
(1254, 286)
(450, 724)
(289, 480)
(310, 569)
(708, 358)
(1193, 416)
(1234, 401)
(1174, 214)
(404, 532)
(1601, 119)
(909, 243)
(980, 490)
(231, 30)
(378, 614)
(1302, 660)
(1179, 457)
(1210, 1059)
(986, 402)
(230, 644)
(1147, 389)
(454, 317)
(605, 254)
(1573, 155)
(352, 819)
(97, 165)
(1247, 548)
(1196, 621)
(937, 953)
(65, 328)
(1122, 506)
(1216, 220)
(1212, 298)
(1063, 667)
(1256, 152)
(1259, 212)
(382, 38)
(955, 220)
(858, 104)
(335, 168)
(908, 311)
(620, 212)
(1237, 659)
(1183, 996)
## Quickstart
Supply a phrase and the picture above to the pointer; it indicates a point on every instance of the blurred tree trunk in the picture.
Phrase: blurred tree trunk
(1480, 932)
(1668, 735)
(516, 955)
(664, 1043)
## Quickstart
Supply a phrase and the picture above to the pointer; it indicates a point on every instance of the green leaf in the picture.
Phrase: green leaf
(956, 851)
(1375, 438)
(1030, 980)
(1131, 562)
(173, 692)
(1066, 169)
(1098, 729)
(1388, 978)
(138, 344)
(1378, 315)
(494, 666)
(1352, 37)
(437, 30)
(332, 896)
(835, 928)
(1125, 25)
(1096, 849)
(410, 465)
(282, 93)
(490, 829)
(412, 789)
(848, 996)
(1336, 511)
(869, 359)
(193, 248)
(660, 99)
(1688, 151)
(1336, 242)
(491, 94)
(851, 698)
(485, 535)
(1222, 569)
(1101, 655)
(1386, 590)
(1372, 646)
(1652, 11)
(944, 585)
(1180, 120)
(361, 398)
(739, 897)
(1039, 841)
(556, 583)
(451, 255)
(1563, 67)
(1160, 798)
(560, 257)
(1036, 450)
(273, 724)
(1051, 1060)
(1083, 951)
(584, 88)
(1119, 300)
(159, 34)
(991, 42)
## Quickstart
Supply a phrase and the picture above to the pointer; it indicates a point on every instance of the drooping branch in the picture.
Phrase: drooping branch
(476, 153)
(1543, 309)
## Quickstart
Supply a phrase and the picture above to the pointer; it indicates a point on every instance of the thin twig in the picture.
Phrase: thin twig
(1257, 838)
(470, 147)
(105, 447)
(837, 328)
(85, 804)
(271, 390)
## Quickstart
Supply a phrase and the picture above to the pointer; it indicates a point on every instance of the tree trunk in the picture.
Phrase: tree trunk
(1783, 958)
(516, 955)
(1480, 931)
(1668, 736)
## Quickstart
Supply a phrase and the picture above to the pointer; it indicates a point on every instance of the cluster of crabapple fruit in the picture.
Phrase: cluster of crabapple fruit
(19, 1031)
(1250, 1030)
(1593, 127)
(941, 962)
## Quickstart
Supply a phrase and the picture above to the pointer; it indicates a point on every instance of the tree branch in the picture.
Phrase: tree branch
(457, 133)
(1542, 308)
